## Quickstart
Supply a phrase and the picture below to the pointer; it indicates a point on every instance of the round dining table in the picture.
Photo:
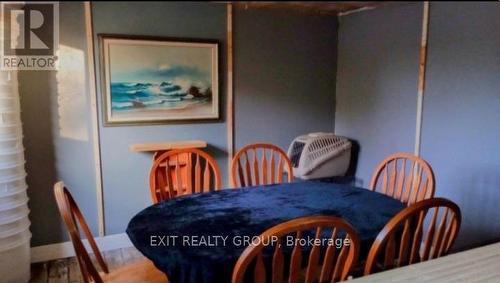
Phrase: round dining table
(198, 238)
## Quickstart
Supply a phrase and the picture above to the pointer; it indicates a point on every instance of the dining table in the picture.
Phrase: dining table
(470, 266)
(198, 238)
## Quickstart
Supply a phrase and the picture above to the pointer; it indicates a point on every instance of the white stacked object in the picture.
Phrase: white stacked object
(14, 223)
(319, 155)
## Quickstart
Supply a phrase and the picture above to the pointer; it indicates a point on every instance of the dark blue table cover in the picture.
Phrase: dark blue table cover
(248, 211)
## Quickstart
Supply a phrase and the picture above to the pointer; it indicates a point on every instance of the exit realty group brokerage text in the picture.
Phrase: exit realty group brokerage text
(224, 240)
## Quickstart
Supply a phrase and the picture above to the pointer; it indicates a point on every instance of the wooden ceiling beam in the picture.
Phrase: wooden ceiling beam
(307, 6)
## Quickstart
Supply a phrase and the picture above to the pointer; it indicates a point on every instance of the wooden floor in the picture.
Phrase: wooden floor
(66, 270)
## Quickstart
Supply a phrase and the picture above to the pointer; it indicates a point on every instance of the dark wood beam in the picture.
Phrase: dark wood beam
(306, 6)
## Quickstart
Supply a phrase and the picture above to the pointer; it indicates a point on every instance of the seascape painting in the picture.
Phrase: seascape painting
(151, 81)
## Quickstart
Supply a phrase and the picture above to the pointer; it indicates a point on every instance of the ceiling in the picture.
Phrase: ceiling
(307, 6)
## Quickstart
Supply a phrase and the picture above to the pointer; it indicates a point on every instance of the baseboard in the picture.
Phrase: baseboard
(65, 249)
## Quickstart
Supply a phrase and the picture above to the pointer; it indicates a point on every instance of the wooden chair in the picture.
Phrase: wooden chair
(142, 271)
(260, 164)
(404, 177)
(422, 231)
(327, 266)
(188, 171)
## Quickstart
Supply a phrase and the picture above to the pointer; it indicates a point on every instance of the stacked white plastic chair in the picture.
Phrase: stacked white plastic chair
(14, 223)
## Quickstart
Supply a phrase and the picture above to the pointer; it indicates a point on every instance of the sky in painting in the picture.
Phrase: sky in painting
(146, 63)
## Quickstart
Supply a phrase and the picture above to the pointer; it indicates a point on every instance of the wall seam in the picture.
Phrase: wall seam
(421, 78)
(230, 101)
(95, 121)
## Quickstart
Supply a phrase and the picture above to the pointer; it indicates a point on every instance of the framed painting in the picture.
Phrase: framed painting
(149, 80)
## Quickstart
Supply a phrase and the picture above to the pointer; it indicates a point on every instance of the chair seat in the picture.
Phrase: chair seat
(143, 271)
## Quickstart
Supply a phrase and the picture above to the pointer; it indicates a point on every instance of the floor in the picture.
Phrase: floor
(66, 270)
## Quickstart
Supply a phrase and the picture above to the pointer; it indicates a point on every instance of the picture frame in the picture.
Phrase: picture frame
(157, 80)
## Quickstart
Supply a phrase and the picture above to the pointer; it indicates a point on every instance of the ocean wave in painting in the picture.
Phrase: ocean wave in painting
(127, 96)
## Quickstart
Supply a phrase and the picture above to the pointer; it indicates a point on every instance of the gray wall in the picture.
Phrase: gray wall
(461, 127)
(376, 82)
(284, 75)
(376, 100)
(58, 131)
(125, 173)
(284, 79)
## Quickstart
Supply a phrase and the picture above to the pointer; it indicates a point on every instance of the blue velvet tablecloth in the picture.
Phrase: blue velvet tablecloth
(244, 212)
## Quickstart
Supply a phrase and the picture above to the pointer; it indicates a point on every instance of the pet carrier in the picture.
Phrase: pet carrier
(319, 155)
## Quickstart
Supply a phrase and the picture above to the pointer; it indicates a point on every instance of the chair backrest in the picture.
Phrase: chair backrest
(260, 164)
(422, 231)
(181, 172)
(404, 177)
(283, 247)
(75, 221)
